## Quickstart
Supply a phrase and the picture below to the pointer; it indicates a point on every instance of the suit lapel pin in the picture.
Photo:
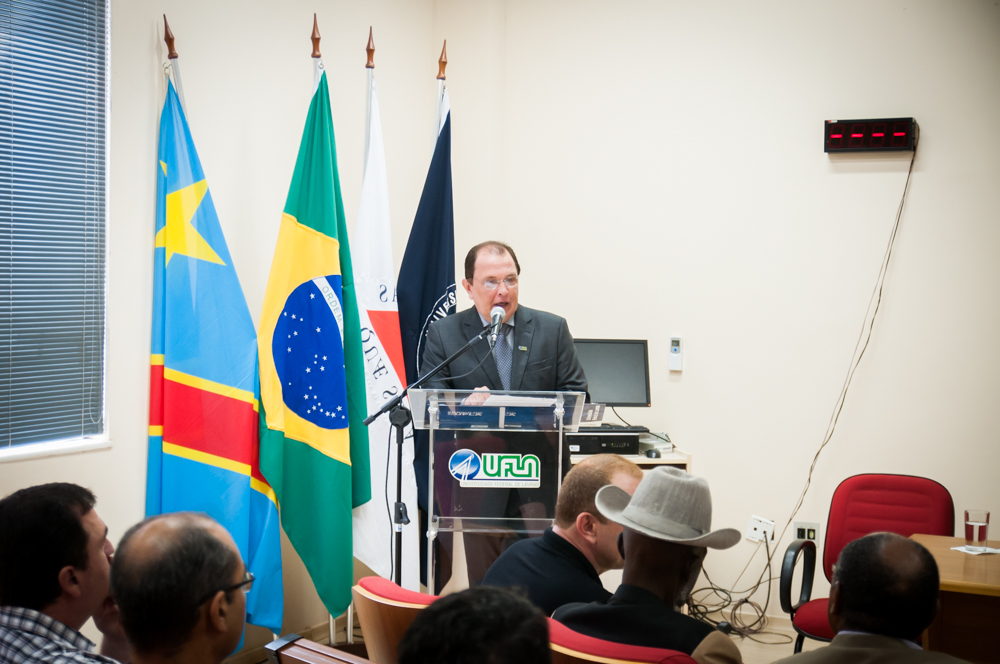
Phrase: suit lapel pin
(522, 348)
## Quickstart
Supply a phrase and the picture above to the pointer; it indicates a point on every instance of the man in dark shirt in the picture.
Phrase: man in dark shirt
(667, 527)
(564, 564)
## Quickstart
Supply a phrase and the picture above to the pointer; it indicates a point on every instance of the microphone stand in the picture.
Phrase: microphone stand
(399, 417)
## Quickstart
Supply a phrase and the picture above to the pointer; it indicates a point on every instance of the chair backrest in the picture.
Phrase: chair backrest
(304, 651)
(569, 647)
(386, 611)
(901, 504)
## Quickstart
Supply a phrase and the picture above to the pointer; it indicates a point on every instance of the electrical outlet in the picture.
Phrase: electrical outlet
(806, 530)
(760, 528)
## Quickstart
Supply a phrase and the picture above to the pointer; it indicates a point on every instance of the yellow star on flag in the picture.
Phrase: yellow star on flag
(178, 236)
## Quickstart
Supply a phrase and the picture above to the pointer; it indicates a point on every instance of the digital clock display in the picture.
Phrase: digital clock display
(869, 135)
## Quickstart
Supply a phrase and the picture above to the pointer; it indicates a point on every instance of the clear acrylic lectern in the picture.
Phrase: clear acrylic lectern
(495, 468)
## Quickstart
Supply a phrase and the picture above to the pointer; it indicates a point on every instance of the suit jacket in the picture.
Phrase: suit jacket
(637, 617)
(544, 356)
(869, 649)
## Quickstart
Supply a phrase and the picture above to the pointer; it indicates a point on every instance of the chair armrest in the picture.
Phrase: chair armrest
(808, 550)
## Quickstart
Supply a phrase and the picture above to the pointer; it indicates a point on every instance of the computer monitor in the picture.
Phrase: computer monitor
(617, 370)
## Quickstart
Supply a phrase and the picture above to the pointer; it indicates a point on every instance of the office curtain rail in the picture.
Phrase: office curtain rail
(53, 112)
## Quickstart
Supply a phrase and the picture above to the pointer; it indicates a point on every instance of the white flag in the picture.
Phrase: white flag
(375, 284)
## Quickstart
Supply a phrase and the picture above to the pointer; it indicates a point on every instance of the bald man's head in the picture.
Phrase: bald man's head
(165, 570)
(886, 584)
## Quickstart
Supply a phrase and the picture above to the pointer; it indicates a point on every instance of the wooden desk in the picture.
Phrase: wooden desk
(677, 458)
(967, 620)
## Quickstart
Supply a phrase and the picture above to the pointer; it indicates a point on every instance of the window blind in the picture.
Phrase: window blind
(53, 86)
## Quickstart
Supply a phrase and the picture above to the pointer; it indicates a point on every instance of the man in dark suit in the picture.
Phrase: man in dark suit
(884, 595)
(534, 352)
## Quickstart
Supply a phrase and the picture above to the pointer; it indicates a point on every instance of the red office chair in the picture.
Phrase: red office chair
(569, 647)
(861, 505)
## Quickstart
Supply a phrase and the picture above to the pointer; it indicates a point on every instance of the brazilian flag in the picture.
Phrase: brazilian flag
(313, 445)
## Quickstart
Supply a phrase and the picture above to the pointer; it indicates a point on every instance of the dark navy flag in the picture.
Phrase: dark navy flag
(425, 289)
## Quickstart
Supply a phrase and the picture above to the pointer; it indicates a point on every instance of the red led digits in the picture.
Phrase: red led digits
(865, 135)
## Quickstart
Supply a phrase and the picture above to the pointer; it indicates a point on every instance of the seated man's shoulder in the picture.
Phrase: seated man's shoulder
(869, 649)
(639, 626)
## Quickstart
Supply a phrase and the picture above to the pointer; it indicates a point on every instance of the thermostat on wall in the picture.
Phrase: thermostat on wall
(676, 354)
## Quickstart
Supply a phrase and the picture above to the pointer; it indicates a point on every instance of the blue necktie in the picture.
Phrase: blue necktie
(503, 355)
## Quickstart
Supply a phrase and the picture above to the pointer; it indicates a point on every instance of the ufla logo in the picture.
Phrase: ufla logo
(495, 470)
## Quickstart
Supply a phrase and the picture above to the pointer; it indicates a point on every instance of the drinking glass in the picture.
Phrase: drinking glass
(977, 523)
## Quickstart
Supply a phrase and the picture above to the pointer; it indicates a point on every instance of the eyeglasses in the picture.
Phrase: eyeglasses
(247, 581)
(493, 284)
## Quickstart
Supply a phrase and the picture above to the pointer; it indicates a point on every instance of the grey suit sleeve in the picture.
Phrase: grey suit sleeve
(433, 356)
(569, 372)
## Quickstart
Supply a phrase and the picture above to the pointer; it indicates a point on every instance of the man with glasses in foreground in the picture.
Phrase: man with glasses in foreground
(180, 586)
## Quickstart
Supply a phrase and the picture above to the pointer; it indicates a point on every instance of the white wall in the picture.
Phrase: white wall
(658, 167)
(662, 173)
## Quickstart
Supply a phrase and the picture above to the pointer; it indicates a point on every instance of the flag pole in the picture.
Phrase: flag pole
(370, 66)
(317, 58)
(316, 55)
(442, 64)
(168, 37)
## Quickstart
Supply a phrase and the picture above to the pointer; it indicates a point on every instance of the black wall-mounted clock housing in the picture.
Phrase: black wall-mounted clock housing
(885, 134)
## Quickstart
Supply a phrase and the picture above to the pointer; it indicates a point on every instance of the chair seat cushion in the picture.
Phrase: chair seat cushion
(563, 637)
(386, 589)
(811, 618)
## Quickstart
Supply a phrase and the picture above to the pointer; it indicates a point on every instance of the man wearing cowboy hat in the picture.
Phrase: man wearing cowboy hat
(667, 529)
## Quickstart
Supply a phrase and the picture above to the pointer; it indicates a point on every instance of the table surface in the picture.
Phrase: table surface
(675, 458)
(963, 572)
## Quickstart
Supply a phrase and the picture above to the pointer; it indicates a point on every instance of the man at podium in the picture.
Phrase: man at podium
(534, 352)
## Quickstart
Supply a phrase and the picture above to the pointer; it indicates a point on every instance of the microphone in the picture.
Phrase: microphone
(496, 320)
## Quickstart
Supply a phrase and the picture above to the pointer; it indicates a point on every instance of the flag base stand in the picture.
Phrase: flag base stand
(399, 417)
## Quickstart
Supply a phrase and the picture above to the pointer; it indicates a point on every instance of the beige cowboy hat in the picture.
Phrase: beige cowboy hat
(670, 505)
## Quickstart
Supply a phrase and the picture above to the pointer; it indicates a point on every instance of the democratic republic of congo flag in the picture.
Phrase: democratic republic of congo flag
(314, 445)
(203, 401)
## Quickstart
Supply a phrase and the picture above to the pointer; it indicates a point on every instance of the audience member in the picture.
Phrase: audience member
(55, 559)
(477, 626)
(884, 595)
(180, 584)
(564, 564)
(667, 527)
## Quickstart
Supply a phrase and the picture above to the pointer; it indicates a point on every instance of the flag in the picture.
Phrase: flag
(426, 290)
(314, 446)
(375, 282)
(204, 394)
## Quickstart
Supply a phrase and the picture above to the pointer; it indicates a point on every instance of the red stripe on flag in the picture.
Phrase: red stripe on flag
(386, 325)
(156, 395)
(211, 423)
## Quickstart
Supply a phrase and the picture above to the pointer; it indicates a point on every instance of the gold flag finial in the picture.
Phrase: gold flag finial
(370, 50)
(443, 60)
(168, 37)
(315, 38)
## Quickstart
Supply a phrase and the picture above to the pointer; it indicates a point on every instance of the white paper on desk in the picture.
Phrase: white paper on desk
(974, 553)
(516, 401)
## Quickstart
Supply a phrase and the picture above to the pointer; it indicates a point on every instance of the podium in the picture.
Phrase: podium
(495, 469)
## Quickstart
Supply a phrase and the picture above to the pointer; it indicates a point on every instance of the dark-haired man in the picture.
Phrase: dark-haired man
(486, 625)
(55, 559)
(535, 350)
(180, 585)
(564, 564)
(884, 595)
